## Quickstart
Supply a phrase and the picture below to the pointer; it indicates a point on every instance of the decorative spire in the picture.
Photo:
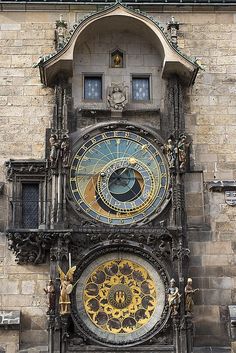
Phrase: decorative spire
(173, 27)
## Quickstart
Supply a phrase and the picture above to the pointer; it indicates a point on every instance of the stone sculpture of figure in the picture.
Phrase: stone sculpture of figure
(170, 150)
(54, 153)
(183, 151)
(117, 97)
(50, 291)
(173, 297)
(66, 288)
(60, 33)
(189, 293)
(65, 151)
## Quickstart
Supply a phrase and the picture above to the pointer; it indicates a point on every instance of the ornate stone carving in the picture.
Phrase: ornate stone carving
(55, 150)
(173, 27)
(32, 247)
(25, 167)
(60, 148)
(117, 96)
(170, 150)
(177, 152)
(182, 148)
(60, 33)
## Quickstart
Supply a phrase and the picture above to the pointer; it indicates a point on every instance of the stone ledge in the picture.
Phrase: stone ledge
(212, 350)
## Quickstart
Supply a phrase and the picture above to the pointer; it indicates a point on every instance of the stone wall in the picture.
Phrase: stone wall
(24, 114)
(26, 107)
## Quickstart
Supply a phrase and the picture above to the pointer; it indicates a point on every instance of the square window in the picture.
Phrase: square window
(141, 88)
(93, 88)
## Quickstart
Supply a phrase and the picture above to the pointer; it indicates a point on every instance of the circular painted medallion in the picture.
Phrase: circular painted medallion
(120, 298)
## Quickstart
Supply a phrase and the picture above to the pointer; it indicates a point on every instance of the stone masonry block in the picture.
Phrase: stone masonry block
(34, 337)
(9, 287)
(10, 26)
(219, 247)
(28, 287)
(12, 300)
(216, 296)
(221, 283)
(22, 61)
(215, 260)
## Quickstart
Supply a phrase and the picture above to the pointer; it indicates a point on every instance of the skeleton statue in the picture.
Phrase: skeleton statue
(65, 151)
(183, 146)
(170, 149)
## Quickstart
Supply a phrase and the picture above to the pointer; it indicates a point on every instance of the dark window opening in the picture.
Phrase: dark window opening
(30, 205)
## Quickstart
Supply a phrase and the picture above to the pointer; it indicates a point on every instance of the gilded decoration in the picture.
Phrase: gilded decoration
(120, 296)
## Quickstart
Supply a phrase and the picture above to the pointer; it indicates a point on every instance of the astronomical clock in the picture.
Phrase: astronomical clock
(108, 208)
(119, 177)
(119, 182)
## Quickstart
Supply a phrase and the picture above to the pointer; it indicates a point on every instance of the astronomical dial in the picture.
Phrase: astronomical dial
(120, 299)
(119, 178)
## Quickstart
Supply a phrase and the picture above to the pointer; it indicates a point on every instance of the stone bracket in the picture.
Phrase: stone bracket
(222, 185)
(31, 247)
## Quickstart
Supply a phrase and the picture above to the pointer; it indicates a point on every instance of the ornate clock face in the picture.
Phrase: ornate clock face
(120, 298)
(119, 178)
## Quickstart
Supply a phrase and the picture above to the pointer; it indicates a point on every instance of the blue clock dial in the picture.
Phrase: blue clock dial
(119, 178)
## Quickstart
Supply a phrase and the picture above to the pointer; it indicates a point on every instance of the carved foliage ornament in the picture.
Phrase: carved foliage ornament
(32, 247)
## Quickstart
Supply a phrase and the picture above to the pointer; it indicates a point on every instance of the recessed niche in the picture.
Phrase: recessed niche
(117, 58)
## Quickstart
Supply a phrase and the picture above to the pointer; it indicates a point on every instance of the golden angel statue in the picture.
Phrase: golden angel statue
(66, 288)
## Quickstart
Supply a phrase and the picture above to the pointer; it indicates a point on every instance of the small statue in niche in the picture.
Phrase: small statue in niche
(117, 59)
(66, 288)
(50, 291)
(189, 293)
(170, 149)
(117, 96)
(65, 151)
(183, 146)
(55, 149)
(173, 297)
